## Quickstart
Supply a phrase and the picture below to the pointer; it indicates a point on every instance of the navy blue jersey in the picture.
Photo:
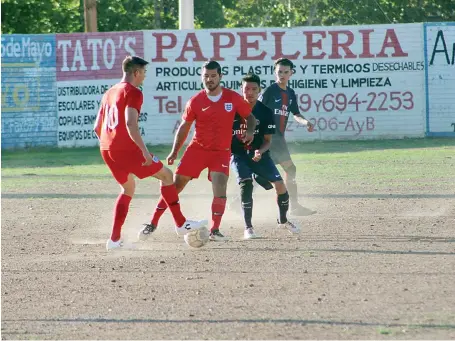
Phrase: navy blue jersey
(282, 102)
(265, 126)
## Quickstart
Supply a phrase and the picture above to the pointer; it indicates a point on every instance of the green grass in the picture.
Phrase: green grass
(375, 162)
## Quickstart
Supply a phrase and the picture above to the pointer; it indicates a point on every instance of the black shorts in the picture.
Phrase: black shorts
(279, 151)
(245, 167)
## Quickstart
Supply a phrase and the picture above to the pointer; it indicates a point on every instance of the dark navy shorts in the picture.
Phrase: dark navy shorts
(245, 167)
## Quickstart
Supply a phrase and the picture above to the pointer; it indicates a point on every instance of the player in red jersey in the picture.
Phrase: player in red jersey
(213, 110)
(126, 154)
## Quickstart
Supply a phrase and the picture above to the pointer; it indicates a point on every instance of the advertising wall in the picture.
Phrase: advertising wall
(352, 82)
(28, 91)
(440, 78)
(87, 66)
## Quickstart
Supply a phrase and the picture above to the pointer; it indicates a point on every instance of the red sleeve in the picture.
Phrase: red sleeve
(188, 115)
(242, 107)
(134, 99)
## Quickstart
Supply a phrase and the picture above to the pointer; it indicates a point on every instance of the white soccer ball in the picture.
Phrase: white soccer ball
(197, 238)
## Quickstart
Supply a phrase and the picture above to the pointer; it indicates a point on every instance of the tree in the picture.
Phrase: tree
(66, 16)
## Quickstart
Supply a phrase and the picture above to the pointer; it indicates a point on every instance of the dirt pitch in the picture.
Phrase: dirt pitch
(371, 264)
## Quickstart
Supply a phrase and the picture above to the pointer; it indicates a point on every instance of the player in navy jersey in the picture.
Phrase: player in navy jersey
(248, 160)
(282, 100)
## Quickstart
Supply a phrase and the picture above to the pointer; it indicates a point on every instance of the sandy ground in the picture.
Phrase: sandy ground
(371, 264)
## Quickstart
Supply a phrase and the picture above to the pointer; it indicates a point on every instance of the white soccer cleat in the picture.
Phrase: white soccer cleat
(190, 225)
(249, 234)
(291, 227)
(145, 232)
(111, 245)
(217, 236)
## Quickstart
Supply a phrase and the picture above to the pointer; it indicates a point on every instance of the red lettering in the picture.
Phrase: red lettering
(391, 41)
(217, 44)
(160, 45)
(245, 45)
(345, 46)
(310, 45)
(370, 123)
(366, 53)
(194, 47)
(160, 102)
(279, 47)
(171, 107)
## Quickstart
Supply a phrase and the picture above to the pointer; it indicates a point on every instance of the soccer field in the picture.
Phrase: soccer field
(377, 260)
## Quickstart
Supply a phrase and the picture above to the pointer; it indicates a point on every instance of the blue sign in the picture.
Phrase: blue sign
(36, 49)
(29, 110)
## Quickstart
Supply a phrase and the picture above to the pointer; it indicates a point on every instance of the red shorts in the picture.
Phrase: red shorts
(196, 159)
(122, 163)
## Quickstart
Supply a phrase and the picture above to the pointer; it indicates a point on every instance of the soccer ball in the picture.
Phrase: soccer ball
(197, 238)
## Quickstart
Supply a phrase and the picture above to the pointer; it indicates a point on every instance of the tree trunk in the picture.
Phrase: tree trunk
(90, 16)
(157, 9)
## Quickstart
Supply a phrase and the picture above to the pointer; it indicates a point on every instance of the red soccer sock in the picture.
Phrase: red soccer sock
(120, 212)
(159, 210)
(171, 197)
(218, 207)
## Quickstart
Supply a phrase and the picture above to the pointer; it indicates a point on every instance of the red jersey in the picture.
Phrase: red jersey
(114, 134)
(214, 119)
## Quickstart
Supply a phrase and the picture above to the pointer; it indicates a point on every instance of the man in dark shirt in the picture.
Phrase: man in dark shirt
(253, 159)
(282, 100)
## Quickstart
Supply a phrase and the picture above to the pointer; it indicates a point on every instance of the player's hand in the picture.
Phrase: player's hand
(257, 155)
(171, 158)
(148, 159)
(309, 126)
(247, 137)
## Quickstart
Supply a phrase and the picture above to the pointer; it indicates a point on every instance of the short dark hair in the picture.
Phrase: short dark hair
(252, 78)
(284, 62)
(133, 63)
(212, 65)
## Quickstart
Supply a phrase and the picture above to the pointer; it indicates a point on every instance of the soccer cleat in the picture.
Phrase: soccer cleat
(249, 234)
(217, 236)
(190, 225)
(291, 227)
(111, 245)
(299, 210)
(145, 232)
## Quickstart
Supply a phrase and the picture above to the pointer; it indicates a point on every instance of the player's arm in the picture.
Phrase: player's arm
(266, 144)
(179, 139)
(244, 110)
(98, 122)
(298, 116)
(251, 124)
(132, 126)
(183, 130)
(264, 147)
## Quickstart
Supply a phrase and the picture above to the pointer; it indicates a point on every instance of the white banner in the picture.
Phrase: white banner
(353, 82)
(440, 63)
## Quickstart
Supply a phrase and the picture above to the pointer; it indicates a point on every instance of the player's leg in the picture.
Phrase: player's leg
(127, 185)
(290, 172)
(282, 198)
(186, 170)
(218, 164)
(266, 170)
(170, 197)
(219, 187)
(180, 182)
(244, 179)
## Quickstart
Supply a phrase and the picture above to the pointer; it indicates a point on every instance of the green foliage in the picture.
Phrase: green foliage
(61, 16)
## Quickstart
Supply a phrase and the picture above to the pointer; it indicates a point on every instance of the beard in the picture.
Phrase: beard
(212, 86)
